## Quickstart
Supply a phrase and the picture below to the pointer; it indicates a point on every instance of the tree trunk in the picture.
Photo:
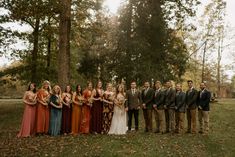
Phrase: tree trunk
(203, 61)
(48, 48)
(35, 51)
(64, 45)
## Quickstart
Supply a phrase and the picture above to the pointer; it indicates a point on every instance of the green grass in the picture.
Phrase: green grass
(219, 142)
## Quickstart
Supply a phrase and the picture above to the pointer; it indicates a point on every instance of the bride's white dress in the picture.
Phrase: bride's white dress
(119, 123)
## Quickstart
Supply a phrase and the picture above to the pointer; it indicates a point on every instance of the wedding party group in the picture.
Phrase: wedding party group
(51, 111)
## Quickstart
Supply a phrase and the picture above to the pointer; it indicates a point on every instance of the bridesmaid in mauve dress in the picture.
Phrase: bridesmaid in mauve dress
(97, 109)
(86, 110)
(107, 108)
(56, 112)
(28, 121)
(77, 110)
(66, 110)
(42, 111)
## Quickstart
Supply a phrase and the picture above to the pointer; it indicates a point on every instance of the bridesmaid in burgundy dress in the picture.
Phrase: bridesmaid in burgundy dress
(28, 121)
(97, 109)
(66, 110)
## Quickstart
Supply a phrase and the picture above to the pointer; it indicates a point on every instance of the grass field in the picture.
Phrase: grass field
(219, 142)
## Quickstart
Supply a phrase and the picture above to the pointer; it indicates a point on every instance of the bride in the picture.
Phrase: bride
(118, 124)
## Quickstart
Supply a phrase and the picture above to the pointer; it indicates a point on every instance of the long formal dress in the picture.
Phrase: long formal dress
(66, 115)
(42, 112)
(86, 113)
(97, 114)
(107, 113)
(28, 121)
(55, 117)
(118, 124)
(76, 116)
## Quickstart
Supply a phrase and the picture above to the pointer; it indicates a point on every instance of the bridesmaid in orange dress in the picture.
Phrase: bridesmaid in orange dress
(77, 110)
(42, 113)
(86, 110)
(28, 121)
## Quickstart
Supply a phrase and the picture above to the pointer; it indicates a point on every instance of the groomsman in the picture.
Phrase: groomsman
(191, 104)
(180, 108)
(147, 100)
(133, 103)
(170, 107)
(158, 106)
(203, 108)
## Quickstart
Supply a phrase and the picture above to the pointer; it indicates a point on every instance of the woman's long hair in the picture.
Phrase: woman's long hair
(78, 92)
(34, 90)
(70, 92)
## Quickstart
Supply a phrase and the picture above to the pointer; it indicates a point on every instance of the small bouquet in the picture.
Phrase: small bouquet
(90, 101)
(81, 100)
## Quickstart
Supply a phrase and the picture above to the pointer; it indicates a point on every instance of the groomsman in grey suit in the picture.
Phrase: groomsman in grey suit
(147, 103)
(170, 107)
(133, 103)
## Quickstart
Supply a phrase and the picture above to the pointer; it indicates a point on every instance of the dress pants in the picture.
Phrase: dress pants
(191, 118)
(148, 119)
(180, 116)
(203, 117)
(170, 120)
(136, 116)
(160, 120)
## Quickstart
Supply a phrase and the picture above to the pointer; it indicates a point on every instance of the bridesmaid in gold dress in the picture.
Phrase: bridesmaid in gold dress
(77, 110)
(107, 108)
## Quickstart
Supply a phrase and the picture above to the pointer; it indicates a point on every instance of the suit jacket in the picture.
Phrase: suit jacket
(133, 101)
(148, 98)
(159, 99)
(170, 98)
(191, 99)
(180, 105)
(204, 100)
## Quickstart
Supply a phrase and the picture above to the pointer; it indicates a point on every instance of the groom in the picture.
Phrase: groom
(133, 102)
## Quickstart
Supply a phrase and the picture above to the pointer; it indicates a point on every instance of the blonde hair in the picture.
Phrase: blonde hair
(54, 88)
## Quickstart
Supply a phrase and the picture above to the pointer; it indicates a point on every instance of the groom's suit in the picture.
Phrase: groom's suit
(133, 103)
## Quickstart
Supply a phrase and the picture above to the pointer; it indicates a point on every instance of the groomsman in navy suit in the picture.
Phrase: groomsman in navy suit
(203, 102)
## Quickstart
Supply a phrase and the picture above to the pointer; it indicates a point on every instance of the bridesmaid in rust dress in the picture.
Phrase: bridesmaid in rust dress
(107, 108)
(77, 110)
(86, 110)
(42, 113)
(97, 109)
(28, 121)
(66, 110)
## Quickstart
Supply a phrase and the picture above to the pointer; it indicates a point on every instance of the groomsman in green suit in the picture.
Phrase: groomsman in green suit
(159, 98)
(191, 104)
(170, 107)
(147, 100)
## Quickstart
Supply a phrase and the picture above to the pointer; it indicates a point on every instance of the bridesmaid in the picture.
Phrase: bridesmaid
(107, 108)
(86, 109)
(42, 113)
(77, 110)
(28, 121)
(56, 111)
(66, 110)
(97, 109)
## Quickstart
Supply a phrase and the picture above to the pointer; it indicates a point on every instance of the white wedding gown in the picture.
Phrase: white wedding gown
(119, 123)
